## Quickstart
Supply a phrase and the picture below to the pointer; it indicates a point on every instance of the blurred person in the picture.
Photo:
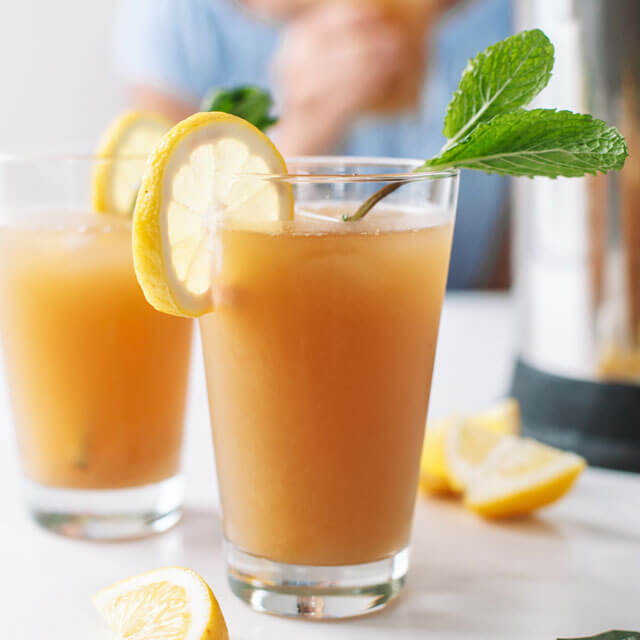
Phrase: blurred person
(348, 78)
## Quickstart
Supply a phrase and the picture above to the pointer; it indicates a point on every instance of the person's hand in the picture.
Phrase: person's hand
(335, 61)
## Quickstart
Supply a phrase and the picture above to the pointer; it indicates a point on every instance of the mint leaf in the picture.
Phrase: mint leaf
(611, 635)
(489, 130)
(251, 103)
(541, 142)
(503, 78)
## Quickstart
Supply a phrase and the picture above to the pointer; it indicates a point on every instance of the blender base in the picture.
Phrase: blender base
(598, 420)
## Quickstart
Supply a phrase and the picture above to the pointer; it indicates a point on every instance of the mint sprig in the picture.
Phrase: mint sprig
(251, 103)
(489, 130)
(611, 635)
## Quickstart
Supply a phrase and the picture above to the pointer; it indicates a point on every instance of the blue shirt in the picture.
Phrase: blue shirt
(186, 47)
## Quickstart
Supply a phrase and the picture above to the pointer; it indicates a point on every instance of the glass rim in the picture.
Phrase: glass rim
(406, 167)
(403, 174)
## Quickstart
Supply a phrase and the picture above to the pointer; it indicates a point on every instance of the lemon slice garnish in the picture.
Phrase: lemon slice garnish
(122, 155)
(206, 169)
(172, 603)
(521, 475)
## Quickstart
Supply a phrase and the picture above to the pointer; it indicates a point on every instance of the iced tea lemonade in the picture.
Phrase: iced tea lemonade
(97, 377)
(319, 329)
(319, 357)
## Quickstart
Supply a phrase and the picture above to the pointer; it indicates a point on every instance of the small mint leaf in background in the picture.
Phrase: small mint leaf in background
(541, 142)
(611, 635)
(251, 103)
(503, 78)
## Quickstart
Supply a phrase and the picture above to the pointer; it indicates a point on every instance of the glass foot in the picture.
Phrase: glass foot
(315, 592)
(107, 514)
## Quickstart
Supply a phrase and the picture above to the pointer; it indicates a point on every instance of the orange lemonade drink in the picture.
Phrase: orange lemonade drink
(319, 357)
(319, 308)
(97, 377)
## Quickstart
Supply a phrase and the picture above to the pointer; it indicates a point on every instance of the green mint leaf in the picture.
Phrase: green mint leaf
(251, 103)
(541, 142)
(503, 78)
(611, 635)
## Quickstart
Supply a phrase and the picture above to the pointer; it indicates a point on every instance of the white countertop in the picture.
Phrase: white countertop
(572, 570)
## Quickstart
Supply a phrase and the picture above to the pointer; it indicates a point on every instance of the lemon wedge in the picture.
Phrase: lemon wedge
(467, 447)
(503, 418)
(434, 474)
(122, 154)
(521, 475)
(205, 170)
(454, 446)
(172, 603)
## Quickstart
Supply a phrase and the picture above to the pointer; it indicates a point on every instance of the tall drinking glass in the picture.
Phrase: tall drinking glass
(319, 358)
(97, 378)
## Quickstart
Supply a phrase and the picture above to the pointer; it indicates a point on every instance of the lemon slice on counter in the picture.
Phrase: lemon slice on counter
(503, 417)
(122, 154)
(192, 180)
(454, 446)
(172, 603)
(466, 448)
(521, 475)
(434, 474)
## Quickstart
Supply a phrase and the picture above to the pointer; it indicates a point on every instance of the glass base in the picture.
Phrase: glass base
(107, 514)
(315, 592)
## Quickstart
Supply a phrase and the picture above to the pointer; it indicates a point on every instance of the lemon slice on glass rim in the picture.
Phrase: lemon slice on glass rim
(206, 169)
(122, 154)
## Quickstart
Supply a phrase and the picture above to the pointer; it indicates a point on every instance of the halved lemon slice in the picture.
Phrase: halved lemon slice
(466, 448)
(206, 169)
(434, 475)
(122, 154)
(503, 417)
(521, 475)
(172, 603)
(454, 446)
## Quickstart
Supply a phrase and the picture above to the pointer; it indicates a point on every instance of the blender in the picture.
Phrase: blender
(577, 248)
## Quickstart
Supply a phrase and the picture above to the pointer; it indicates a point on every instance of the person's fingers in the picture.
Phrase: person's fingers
(350, 81)
(373, 57)
(345, 26)
(369, 55)
(347, 72)
(377, 51)
(330, 18)
(379, 43)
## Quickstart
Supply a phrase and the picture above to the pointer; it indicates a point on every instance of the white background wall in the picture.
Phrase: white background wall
(57, 89)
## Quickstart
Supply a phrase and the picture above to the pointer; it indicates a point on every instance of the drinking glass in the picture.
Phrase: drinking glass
(97, 378)
(319, 357)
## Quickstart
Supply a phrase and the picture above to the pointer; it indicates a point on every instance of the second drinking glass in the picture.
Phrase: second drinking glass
(97, 377)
